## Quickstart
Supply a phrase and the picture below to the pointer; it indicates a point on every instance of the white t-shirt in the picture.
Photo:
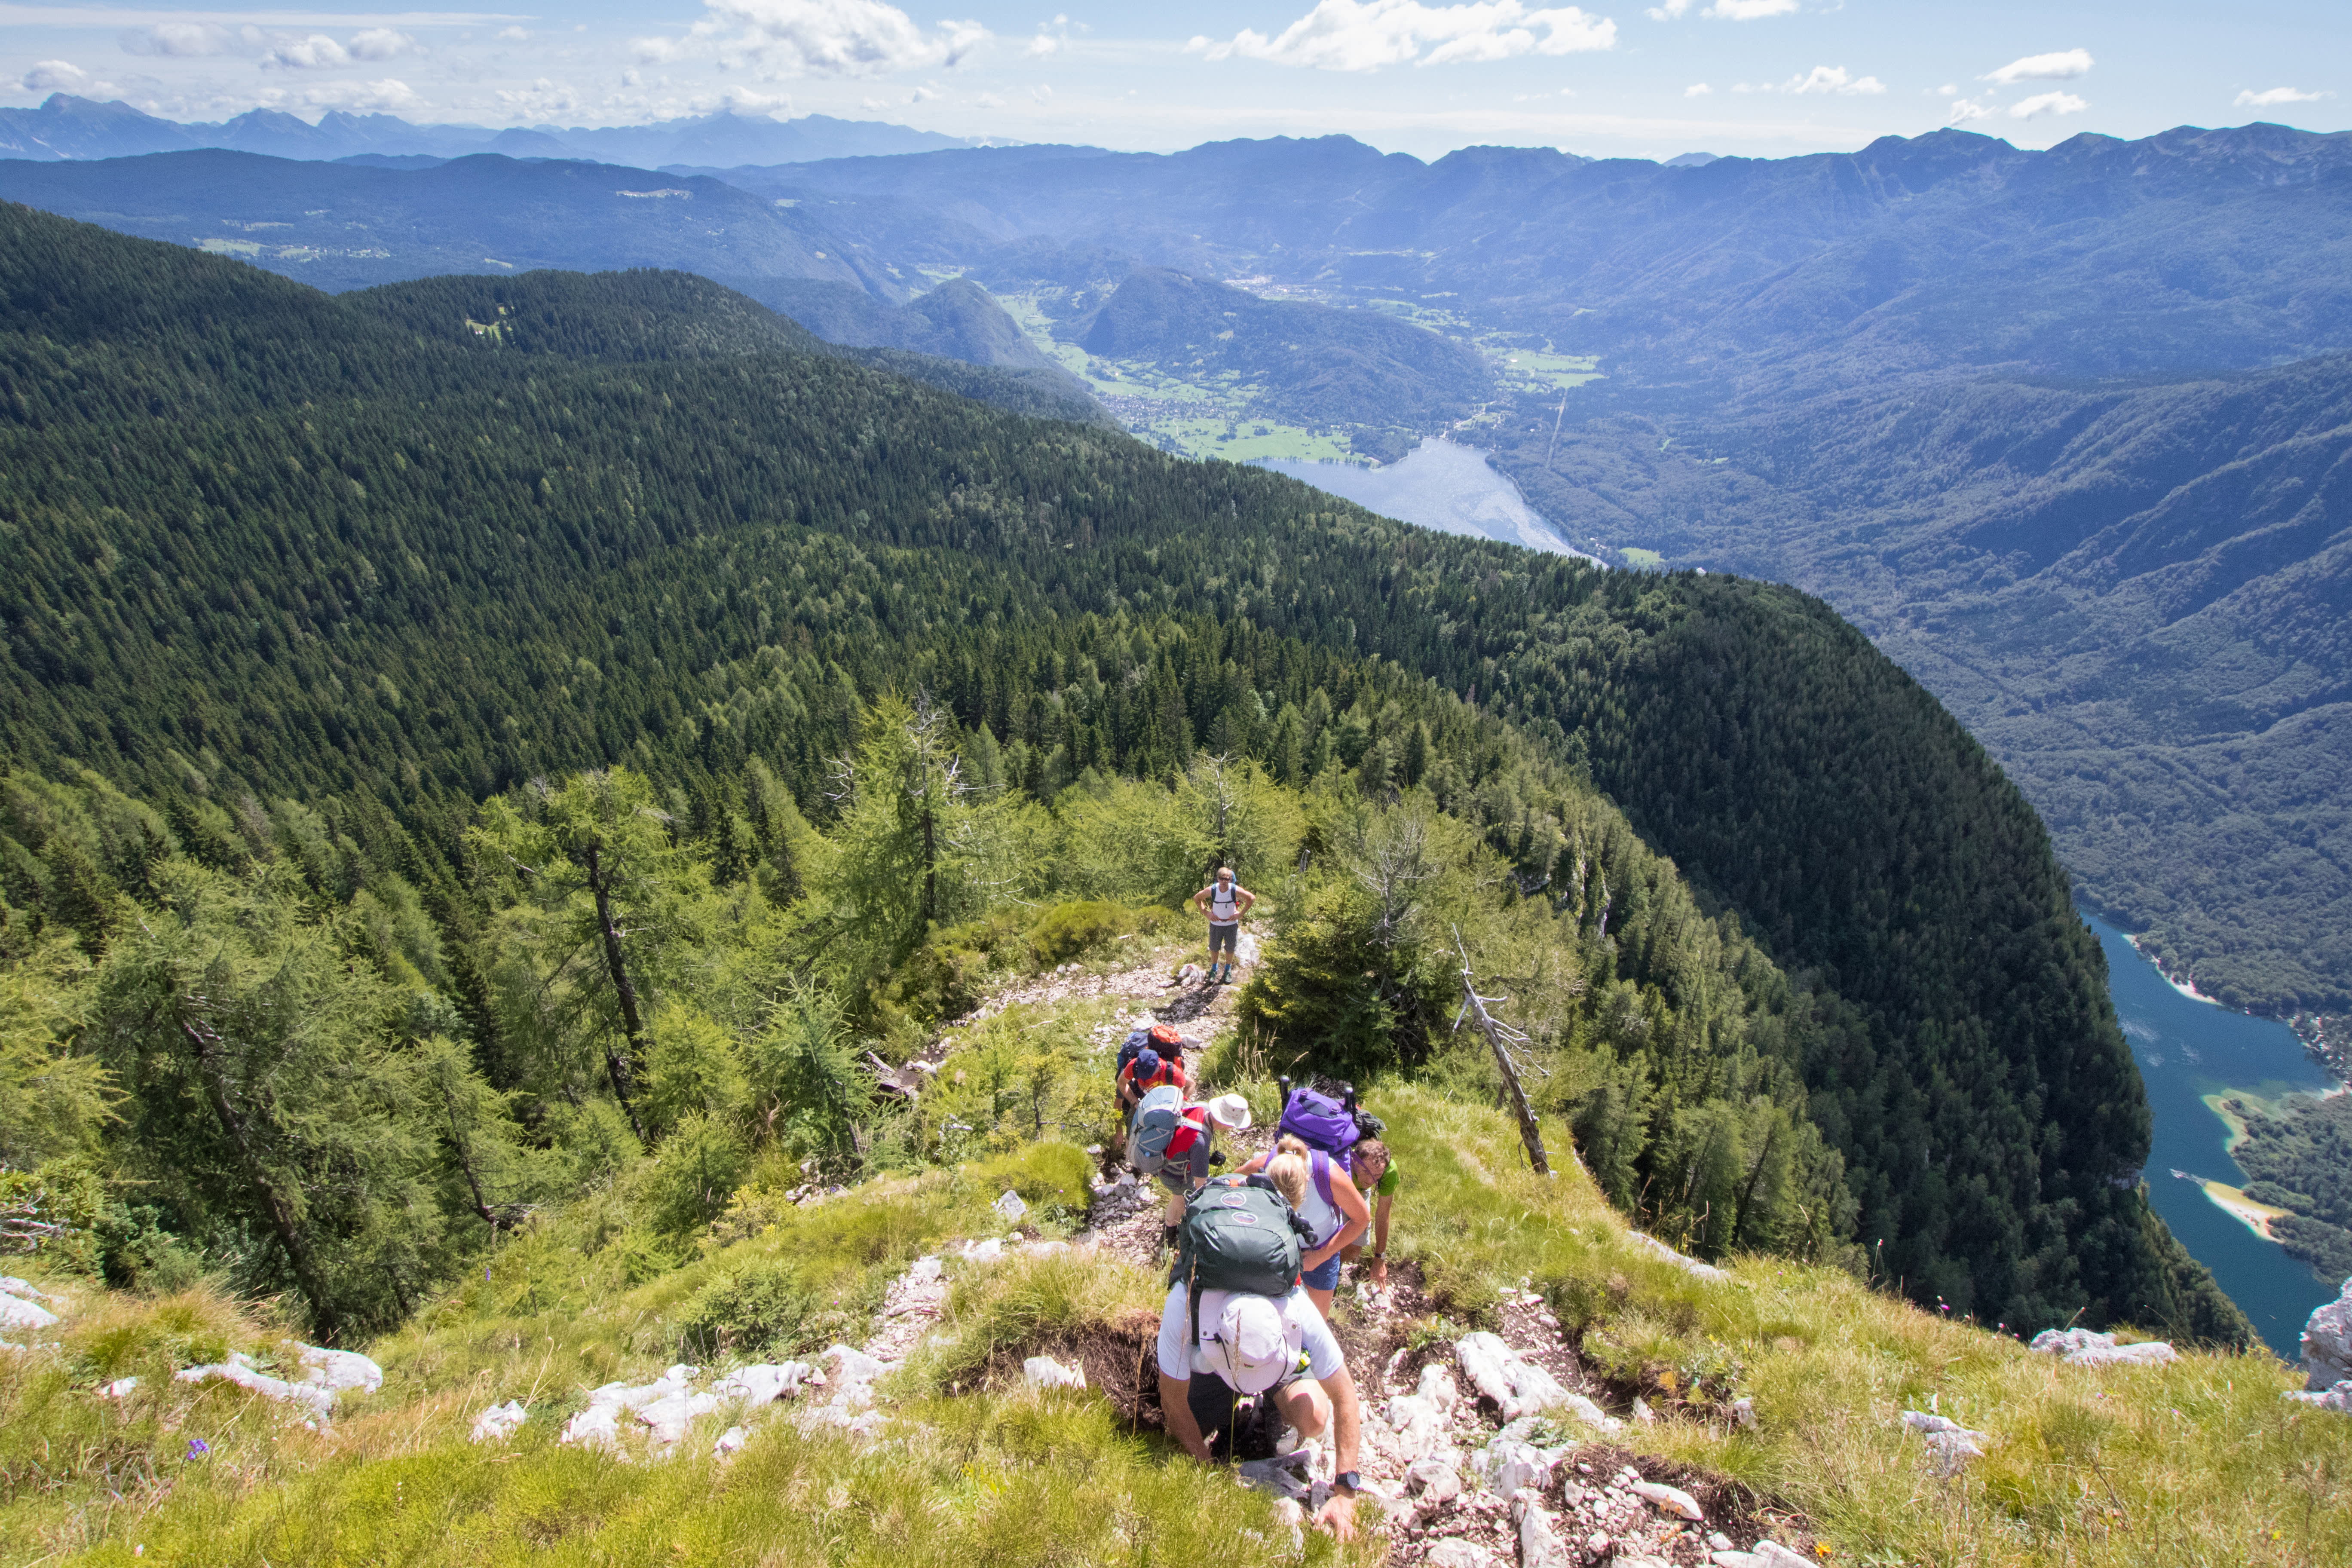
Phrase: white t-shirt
(1302, 1325)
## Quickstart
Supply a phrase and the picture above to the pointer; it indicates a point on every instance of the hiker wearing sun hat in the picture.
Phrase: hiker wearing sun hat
(1276, 1348)
(1186, 1144)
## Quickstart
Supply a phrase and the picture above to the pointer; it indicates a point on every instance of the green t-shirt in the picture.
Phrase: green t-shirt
(1387, 1186)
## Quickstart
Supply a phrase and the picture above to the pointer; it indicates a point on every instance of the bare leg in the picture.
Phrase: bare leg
(1304, 1407)
(1322, 1300)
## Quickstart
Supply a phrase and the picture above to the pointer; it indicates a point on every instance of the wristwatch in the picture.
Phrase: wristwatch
(1349, 1480)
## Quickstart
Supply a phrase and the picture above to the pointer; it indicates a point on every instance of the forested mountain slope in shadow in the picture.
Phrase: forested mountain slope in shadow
(266, 544)
(2137, 595)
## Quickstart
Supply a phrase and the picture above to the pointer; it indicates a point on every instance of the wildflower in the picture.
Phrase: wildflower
(198, 1448)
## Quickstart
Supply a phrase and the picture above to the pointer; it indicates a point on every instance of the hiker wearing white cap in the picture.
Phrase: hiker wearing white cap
(1193, 1143)
(1276, 1348)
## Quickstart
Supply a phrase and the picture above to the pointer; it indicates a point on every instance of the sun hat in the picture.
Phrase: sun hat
(1251, 1343)
(1230, 1111)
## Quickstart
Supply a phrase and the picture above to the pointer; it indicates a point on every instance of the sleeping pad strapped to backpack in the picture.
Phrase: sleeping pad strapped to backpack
(1239, 1234)
(1155, 1123)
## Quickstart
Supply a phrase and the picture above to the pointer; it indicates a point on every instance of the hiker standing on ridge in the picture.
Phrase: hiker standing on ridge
(1277, 1348)
(1225, 902)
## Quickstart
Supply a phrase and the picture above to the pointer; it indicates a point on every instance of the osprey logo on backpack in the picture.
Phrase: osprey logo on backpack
(1156, 1121)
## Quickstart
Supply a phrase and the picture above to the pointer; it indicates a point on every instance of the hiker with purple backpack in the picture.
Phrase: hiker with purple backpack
(1321, 1193)
(1335, 1129)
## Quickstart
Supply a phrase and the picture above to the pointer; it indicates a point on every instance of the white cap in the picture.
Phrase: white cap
(1251, 1343)
(1230, 1111)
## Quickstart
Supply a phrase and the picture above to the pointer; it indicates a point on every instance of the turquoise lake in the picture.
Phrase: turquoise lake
(2186, 1049)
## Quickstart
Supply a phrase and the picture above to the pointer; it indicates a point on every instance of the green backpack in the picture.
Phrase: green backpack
(1239, 1234)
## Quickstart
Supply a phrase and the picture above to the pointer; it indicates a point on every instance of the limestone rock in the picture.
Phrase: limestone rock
(239, 1369)
(2081, 1347)
(1011, 1206)
(2328, 1345)
(1511, 1461)
(1539, 1543)
(1772, 1555)
(1045, 1371)
(1673, 1499)
(1456, 1554)
(730, 1443)
(335, 1371)
(1950, 1445)
(1434, 1478)
(17, 1312)
(500, 1422)
(1690, 1266)
(1520, 1388)
(2338, 1398)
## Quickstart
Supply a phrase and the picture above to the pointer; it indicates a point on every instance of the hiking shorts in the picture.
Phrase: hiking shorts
(1324, 1275)
(1222, 939)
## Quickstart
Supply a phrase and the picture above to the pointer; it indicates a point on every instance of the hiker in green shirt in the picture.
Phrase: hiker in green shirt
(1376, 1176)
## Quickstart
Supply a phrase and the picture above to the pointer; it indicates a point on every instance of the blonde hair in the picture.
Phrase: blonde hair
(1288, 1170)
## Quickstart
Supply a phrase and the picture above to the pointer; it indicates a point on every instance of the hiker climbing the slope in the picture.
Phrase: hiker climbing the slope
(1374, 1171)
(1175, 1142)
(1160, 1062)
(1336, 1125)
(1221, 1341)
(1226, 903)
(1320, 1191)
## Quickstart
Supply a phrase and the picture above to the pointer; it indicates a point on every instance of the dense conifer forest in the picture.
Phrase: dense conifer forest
(364, 655)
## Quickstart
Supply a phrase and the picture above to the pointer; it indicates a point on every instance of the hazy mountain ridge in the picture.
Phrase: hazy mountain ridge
(66, 127)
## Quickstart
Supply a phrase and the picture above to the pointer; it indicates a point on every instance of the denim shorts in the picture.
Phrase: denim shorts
(1324, 1275)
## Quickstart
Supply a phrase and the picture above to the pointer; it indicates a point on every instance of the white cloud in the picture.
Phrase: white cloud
(923, 95)
(372, 96)
(514, 34)
(53, 76)
(2272, 97)
(314, 53)
(877, 104)
(542, 100)
(835, 38)
(1365, 35)
(1698, 89)
(179, 40)
(654, 51)
(1836, 79)
(2064, 65)
(1040, 46)
(380, 44)
(2046, 104)
(1964, 111)
(1723, 10)
(1947, 90)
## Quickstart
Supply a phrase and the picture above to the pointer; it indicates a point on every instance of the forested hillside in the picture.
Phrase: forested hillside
(298, 571)
(2135, 593)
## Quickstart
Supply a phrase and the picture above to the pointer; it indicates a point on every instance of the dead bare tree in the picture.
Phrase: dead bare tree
(1506, 1043)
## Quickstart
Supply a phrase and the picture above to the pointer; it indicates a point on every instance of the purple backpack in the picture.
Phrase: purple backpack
(1320, 1123)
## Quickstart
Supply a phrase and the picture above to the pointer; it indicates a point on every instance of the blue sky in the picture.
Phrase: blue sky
(1763, 77)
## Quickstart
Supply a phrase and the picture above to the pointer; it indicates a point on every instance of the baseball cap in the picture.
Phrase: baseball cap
(1147, 1062)
(1251, 1343)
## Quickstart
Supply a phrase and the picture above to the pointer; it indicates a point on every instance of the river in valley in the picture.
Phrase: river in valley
(2186, 1049)
(1438, 485)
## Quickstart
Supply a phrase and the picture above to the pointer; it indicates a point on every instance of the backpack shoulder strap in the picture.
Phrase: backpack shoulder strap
(1320, 1164)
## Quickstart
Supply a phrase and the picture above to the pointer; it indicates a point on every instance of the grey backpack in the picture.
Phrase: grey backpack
(1156, 1121)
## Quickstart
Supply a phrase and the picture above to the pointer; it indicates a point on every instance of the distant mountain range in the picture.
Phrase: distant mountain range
(68, 128)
